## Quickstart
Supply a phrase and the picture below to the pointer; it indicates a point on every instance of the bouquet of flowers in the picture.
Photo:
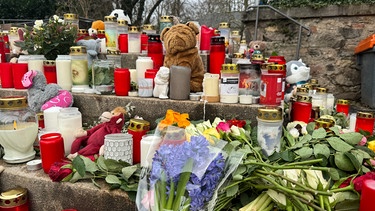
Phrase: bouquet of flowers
(50, 38)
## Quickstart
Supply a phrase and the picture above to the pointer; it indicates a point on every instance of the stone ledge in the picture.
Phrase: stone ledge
(92, 106)
(46, 195)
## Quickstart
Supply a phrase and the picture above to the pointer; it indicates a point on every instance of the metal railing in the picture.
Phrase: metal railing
(250, 8)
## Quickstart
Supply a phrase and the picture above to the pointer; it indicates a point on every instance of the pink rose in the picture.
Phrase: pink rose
(223, 127)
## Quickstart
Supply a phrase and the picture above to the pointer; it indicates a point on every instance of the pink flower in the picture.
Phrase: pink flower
(223, 127)
(358, 182)
(363, 141)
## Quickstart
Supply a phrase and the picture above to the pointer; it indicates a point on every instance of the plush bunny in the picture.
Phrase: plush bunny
(42, 95)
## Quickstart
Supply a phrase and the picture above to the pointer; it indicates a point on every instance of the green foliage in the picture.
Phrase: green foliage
(316, 3)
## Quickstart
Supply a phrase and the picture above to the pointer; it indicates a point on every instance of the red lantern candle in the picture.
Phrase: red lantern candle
(217, 54)
(15, 199)
(51, 149)
(151, 73)
(6, 42)
(122, 81)
(301, 109)
(6, 75)
(138, 128)
(2, 50)
(144, 42)
(277, 60)
(155, 50)
(342, 106)
(366, 203)
(18, 70)
(206, 34)
(365, 121)
(49, 67)
(123, 43)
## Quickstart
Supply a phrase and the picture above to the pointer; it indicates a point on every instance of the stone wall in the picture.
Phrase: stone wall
(328, 50)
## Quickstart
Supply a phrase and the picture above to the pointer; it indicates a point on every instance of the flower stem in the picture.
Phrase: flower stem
(287, 167)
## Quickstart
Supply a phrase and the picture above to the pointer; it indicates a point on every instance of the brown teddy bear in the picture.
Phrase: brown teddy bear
(180, 46)
(256, 51)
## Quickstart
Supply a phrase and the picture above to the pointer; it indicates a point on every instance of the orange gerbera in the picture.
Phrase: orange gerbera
(174, 118)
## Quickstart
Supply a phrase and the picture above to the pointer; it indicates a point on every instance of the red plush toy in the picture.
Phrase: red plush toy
(88, 143)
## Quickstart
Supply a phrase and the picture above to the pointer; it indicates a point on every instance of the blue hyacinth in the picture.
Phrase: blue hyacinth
(207, 171)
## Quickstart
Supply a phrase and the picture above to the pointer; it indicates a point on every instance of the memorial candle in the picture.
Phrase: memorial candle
(18, 70)
(6, 75)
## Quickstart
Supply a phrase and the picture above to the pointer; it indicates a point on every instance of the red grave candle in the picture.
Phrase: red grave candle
(366, 202)
(155, 50)
(2, 49)
(6, 42)
(6, 75)
(123, 43)
(18, 70)
(49, 67)
(15, 199)
(301, 109)
(144, 42)
(206, 34)
(217, 54)
(277, 60)
(365, 121)
(51, 149)
(138, 128)
(151, 73)
(342, 106)
(122, 81)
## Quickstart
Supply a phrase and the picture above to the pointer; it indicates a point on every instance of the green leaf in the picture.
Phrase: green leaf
(319, 133)
(79, 165)
(347, 205)
(89, 164)
(101, 163)
(324, 161)
(288, 155)
(304, 152)
(240, 170)
(232, 191)
(343, 162)
(75, 177)
(366, 150)
(351, 138)
(289, 138)
(114, 165)
(339, 145)
(356, 163)
(334, 174)
(335, 129)
(129, 171)
(321, 149)
(310, 127)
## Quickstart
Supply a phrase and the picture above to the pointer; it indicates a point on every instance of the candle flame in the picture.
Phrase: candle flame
(14, 125)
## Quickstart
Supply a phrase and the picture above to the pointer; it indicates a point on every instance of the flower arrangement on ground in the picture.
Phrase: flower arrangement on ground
(50, 38)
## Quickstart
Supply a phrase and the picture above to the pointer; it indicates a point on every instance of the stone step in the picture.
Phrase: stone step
(46, 195)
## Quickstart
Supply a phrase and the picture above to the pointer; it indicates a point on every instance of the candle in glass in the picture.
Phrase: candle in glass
(365, 121)
(49, 67)
(18, 70)
(51, 118)
(134, 40)
(51, 149)
(6, 75)
(211, 87)
(70, 120)
(63, 73)
(149, 144)
(35, 62)
(342, 106)
(138, 128)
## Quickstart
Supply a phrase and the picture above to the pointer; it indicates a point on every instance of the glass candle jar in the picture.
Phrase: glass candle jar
(138, 128)
(82, 34)
(51, 150)
(2, 50)
(302, 91)
(225, 32)
(18, 71)
(122, 27)
(343, 106)
(249, 83)
(110, 27)
(365, 121)
(102, 75)
(79, 68)
(301, 109)
(211, 87)
(165, 21)
(122, 81)
(123, 43)
(119, 146)
(72, 19)
(325, 123)
(63, 74)
(49, 67)
(155, 50)
(277, 60)
(149, 144)
(217, 54)
(13, 36)
(270, 120)
(144, 43)
(229, 84)
(15, 199)
(115, 56)
(70, 120)
(234, 42)
(141, 65)
(18, 129)
(148, 29)
(243, 48)
(5, 37)
(134, 40)
(6, 75)
(35, 62)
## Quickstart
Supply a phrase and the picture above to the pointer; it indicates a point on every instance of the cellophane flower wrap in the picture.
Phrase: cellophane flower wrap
(185, 175)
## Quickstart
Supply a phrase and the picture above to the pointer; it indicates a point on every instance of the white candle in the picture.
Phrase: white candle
(211, 84)
(133, 75)
(103, 46)
(51, 122)
(352, 121)
(142, 64)
(149, 145)
(63, 72)
(246, 99)
(70, 120)
(35, 62)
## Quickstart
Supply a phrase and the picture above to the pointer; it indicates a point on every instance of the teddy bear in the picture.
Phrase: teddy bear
(95, 27)
(42, 95)
(297, 74)
(256, 51)
(120, 15)
(180, 50)
(161, 83)
(92, 48)
(89, 142)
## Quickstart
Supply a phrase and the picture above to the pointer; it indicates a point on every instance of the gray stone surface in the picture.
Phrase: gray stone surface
(46, 195)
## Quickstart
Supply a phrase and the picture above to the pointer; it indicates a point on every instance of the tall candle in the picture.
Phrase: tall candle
(51, 122)
(49, 67)
(352, 121)
(149, 144)
(179, 82)
(6, 75)
(211, 87)
(35, 62)
(133, 75)
(142, 64)
(18, 70)
(70, 120)
(63, 72)
(51, 150)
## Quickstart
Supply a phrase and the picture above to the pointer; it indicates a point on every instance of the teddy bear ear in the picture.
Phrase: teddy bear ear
(193, 26)
(165, 30)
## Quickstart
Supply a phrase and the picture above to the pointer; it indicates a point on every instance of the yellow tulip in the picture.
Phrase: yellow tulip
(371, 145)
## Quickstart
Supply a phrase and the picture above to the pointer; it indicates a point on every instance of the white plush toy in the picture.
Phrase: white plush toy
(120, 15)
(297, 74)
(161, 83)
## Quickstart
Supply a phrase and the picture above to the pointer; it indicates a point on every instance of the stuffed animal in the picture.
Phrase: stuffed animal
(88, 143)
(92, 47)
(161, 83)
(256, 51)
(180, 50)
(297, 74)
(42, 95)
(120, 15)
(95, 27)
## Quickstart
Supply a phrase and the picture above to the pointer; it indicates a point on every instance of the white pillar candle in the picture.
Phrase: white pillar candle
(211, 84)
(35, 62)
(142, 64)
(63, 72)
(352, 121)
(133, 75)
(103, 46)
(51, 122)
(70, 120)
(246, 99)
(149, 145)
